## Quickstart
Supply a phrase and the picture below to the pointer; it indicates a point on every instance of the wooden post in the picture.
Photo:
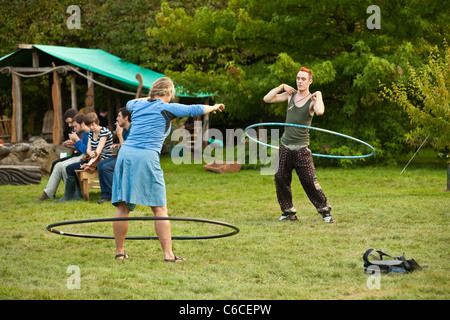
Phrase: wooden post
(89, 100)
(118, 101)
(206, 118)
(206, 122)
(58, 134)
(35, 58)
(141, 84)
(73, 91)
(16, 123)
(90, 84)
(109, 104)
(63, 93)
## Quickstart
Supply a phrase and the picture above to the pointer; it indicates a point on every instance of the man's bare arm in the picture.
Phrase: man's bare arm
(317, 106)
(274, 95)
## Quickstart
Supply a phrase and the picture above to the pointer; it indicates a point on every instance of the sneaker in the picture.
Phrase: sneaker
(289, 214)
(101, 201)
(326, 215)
(288, 217)
(43, 197)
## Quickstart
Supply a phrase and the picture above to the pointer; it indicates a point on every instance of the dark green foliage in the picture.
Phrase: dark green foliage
(240, 49)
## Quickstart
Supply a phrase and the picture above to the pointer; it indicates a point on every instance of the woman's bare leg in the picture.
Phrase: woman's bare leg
(162, 228)
(121, 227)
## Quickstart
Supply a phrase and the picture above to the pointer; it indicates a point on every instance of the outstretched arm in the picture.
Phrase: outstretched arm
(214, 108)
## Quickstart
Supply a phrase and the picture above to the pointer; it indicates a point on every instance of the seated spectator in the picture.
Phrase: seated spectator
(106, 167)
(103, 117)
(69, 114)
(99, 145)
(67, 117)
(59, 169)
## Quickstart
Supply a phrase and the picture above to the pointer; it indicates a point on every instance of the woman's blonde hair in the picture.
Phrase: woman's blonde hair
(162, 87)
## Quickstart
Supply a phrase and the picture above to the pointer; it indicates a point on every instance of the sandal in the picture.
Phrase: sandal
(122, 256)
(175, 259)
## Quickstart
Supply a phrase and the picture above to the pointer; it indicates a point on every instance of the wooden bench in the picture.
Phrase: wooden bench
(88, 180)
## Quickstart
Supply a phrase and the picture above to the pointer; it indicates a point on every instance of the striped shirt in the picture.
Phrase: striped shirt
(104, 132)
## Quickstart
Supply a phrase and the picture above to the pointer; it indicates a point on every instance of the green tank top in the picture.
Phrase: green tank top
(294, 136)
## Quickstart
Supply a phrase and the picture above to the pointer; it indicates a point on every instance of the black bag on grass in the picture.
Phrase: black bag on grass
(374, 257)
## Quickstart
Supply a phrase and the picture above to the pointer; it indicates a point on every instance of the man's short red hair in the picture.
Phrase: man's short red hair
(307, 71)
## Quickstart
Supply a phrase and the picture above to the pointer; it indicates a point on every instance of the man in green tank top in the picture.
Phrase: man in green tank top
(294, 153)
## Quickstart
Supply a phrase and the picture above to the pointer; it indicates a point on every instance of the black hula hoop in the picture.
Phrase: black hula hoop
(51, 227)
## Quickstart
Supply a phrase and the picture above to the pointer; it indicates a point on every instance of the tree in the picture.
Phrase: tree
(118, 27)
(424, 96)
(242, 51)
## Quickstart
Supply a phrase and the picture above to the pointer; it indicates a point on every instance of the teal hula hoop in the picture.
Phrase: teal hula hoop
(313, 128)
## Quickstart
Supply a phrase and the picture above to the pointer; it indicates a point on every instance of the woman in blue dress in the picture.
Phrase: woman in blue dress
(138, 177)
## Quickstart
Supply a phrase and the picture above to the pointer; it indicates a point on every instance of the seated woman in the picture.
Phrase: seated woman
(99, 147)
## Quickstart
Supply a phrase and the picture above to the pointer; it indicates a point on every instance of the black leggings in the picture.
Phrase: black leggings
(301, 160)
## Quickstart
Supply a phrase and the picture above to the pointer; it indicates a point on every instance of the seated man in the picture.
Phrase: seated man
(106, 167)
(59, 170)
(68, 116)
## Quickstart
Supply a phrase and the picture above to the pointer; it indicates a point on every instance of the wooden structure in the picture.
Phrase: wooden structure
(223, 167)
(5, 128)
(87, 180)
(20, 175)
(61, 62)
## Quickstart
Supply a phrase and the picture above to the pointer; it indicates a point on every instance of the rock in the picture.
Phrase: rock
(21, 150)
(4, 151)
(35, 138)
(38, 153)
(10, 160)
(42, 155)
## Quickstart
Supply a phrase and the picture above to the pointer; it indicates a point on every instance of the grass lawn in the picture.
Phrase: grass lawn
(374, 207)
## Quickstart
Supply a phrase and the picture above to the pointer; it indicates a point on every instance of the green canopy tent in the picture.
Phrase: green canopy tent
(94, 60)
(37, 60)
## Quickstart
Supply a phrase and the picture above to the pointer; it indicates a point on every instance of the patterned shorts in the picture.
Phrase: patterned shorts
(302, 162)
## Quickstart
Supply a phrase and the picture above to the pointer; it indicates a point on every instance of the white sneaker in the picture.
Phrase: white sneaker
(288, 217)
(325, 212)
